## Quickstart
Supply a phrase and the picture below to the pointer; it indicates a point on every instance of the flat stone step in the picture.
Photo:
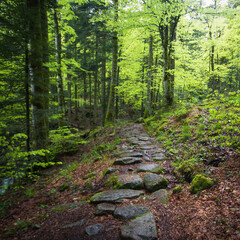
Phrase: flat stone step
(113, 196)
(154, 182)
(141, 138)
(130, 181)
(104, 209)
(130, 153)
(127, 161)
(159, 157)
(130, 212)
(147, 167)
(147, 147)
(141, 228)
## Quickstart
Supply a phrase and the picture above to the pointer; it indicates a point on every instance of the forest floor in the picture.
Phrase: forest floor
(57, 205)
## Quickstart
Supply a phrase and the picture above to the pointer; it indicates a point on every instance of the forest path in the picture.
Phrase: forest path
(135, 208)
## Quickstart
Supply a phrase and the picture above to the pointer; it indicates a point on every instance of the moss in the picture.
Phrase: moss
(63, 187)
(157, 170)
(90, 175)
(186, 170)
(94, 196)
(177, 189)
(164, 183)
(200, 183)
(112, 181)
(89, 184)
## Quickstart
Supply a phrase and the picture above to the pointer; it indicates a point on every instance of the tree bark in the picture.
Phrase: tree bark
(69, 100)
(37, 41)
(168, 36)
(58, 45)
(103, 81)
(110, 116)
(95, 83)
(148, 111)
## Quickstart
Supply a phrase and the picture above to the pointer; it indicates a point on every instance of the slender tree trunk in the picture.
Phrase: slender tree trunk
(27, 98)
(103, 81)
(117, 97)
(76, 100)
(111, 101)
(37, 41)
(95, 83)
(69, 100)
(168, 36)
(45, 69)
(84, 88)
(90, 98)
(142, 105)
(58, 45)
(148, 110)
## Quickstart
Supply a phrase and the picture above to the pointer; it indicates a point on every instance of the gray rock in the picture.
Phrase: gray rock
(115, 195)
(109, 170)
(161, 195)
(144, 138)
(76, 224)
(127, 160)
(159, 157)
(122, 153)
(94, 229)
(146, 158)
(147, 167)
(130, 181)
(139, 143)
(142, 228)
(104, 209)
(130, 154)
(130, 212)
(154, 182)
(147, 147)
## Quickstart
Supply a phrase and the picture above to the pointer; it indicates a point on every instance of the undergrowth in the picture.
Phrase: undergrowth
(201, 134)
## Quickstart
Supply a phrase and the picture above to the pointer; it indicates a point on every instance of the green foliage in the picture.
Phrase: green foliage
(200, 183)
(16, 163)
(65, 140)
(186, 170)
(63, 187)
(68, 169)
(90, 175)
(112, 181)
(100, 150)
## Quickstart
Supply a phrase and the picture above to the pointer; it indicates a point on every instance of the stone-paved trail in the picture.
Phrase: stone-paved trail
(136, 206)
(138, 169)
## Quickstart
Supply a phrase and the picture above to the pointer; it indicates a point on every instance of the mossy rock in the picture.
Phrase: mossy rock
(177, 189)
(200, 183)
(186, 171)
(158, 170)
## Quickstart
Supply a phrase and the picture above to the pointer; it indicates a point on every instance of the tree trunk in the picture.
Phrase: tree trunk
(103, 81)
(69, 100)
(90, 98)
(111, 101)
(27, 97)
(37, 41)
(148, 110)
(76, 101)
(95, 83)
(168, 36)
(58, 45)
